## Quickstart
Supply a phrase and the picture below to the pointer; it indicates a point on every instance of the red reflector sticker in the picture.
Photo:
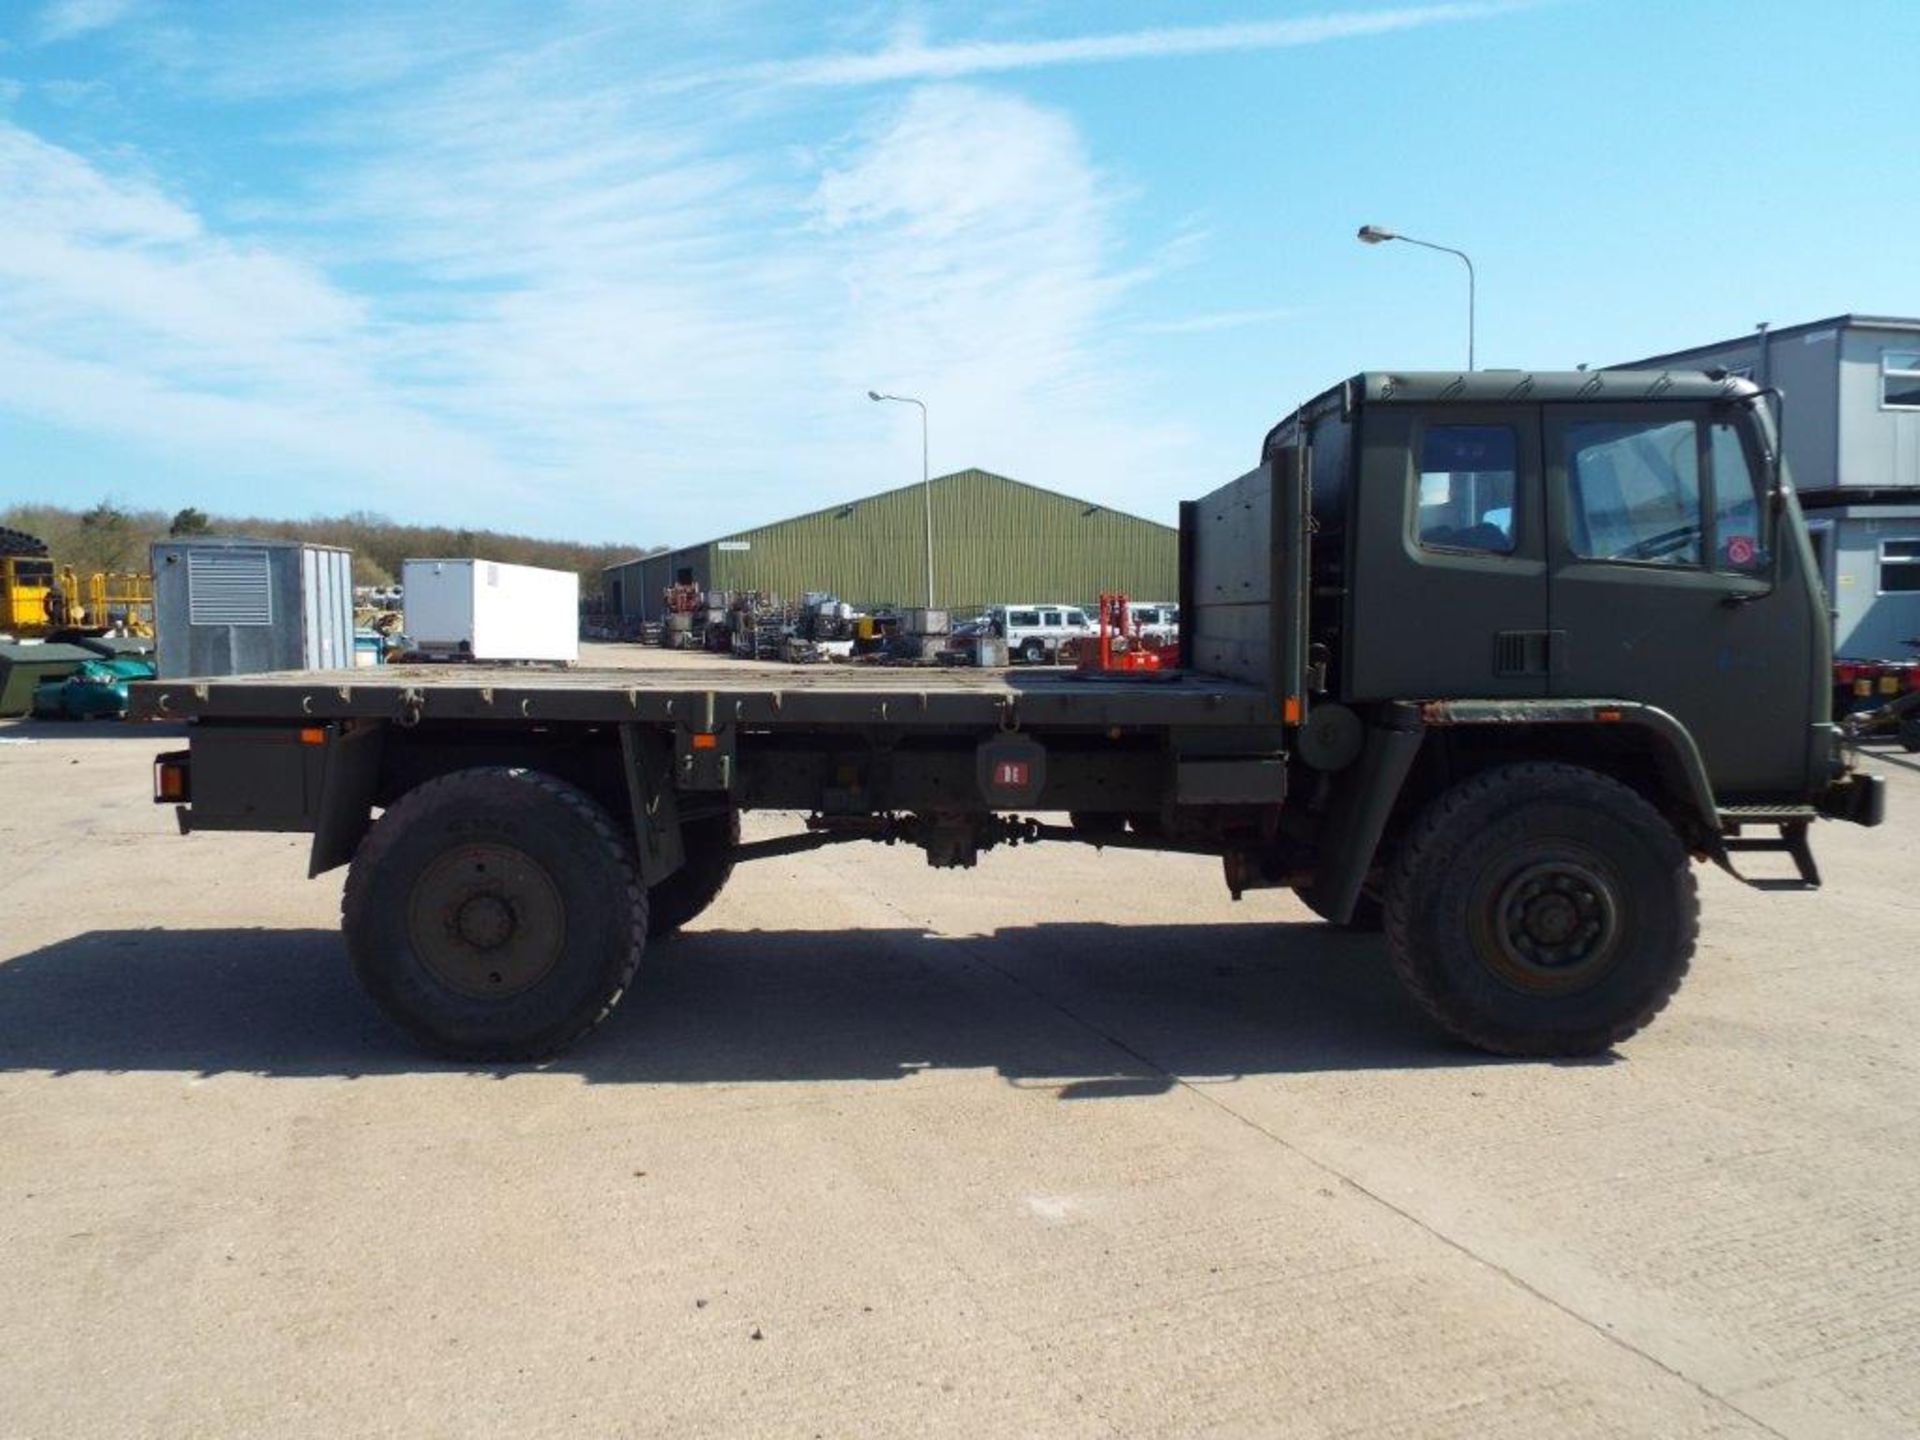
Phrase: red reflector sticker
(1012, 775)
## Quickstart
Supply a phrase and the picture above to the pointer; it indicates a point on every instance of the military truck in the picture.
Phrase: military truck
(1485, 660)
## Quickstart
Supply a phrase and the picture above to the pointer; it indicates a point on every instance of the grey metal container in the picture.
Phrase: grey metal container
(238, 607)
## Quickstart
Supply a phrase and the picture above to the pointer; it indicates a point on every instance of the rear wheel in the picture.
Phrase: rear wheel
(1542, 909)
(710, 843)
(494, 914)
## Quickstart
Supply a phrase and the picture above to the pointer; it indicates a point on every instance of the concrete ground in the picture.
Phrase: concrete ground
(1069, 1145)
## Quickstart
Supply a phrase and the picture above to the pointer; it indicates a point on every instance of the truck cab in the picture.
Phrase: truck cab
(1628, 536)
(1541, 639)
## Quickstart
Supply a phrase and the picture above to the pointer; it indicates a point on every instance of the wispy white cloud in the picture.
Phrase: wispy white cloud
(120, 311)
(67, 19)
(535, 283)
(591, 306)
(1212, 321)
(915, 60)
(976, 243)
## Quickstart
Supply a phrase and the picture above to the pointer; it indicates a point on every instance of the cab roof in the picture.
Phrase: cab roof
(1508, 386)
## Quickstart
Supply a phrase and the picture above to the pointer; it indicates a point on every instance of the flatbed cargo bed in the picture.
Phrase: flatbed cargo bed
(702, 695)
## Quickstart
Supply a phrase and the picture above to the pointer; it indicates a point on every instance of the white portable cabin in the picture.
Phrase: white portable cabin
(489, 611)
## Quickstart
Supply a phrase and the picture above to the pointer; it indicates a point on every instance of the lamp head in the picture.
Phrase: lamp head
(1375, 234)
(873, 395)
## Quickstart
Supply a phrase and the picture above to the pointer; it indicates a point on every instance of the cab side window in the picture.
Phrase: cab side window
(1468, 477)
(1634, 491)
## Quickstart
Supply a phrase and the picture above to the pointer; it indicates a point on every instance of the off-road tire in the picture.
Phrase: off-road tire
(562, 851)
(1034, 652)
(710, 844)
(1471, 883)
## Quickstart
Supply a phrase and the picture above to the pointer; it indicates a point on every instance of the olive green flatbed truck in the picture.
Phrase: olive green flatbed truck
(1487, 661)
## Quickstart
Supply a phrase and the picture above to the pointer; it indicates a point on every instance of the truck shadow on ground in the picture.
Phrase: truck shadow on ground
(1090, 1010)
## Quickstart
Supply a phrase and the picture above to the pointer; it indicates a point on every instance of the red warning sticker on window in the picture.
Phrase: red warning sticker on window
(1741, 550)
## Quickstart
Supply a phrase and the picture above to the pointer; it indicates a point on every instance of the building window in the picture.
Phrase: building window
(1900, 380)
(1899, 567)
(1467, 480)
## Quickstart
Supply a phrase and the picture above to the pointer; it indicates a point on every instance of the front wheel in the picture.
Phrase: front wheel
(1542, 909)
(1034, 652)
(494, 914)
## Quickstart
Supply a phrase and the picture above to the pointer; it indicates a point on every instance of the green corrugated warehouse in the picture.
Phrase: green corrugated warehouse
(995, 541)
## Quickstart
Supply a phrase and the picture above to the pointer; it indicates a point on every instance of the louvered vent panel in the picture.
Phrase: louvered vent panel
(1512, 652)
(229, 587)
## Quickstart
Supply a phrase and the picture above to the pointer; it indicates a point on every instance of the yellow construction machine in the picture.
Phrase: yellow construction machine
(39, 599)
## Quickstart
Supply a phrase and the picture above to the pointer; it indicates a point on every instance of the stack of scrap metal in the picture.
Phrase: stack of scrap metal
(770, 629)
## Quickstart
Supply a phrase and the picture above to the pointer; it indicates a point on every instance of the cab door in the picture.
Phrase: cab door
(1664, 587)
(1449, 591)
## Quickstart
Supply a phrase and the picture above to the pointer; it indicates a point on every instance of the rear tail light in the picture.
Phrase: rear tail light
(173, 779)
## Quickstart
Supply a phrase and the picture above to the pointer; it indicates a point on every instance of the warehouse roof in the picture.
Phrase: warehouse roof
(1786, 332)
(846, 506)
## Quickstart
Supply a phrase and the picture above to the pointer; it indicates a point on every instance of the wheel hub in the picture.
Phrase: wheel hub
(1556, 925)
(486, 920)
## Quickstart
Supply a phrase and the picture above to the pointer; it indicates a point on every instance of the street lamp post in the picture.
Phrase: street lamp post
(1379, 235)
(926, 479)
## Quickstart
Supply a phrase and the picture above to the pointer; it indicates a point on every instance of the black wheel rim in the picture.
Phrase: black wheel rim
(487, 921)
(1550, 924)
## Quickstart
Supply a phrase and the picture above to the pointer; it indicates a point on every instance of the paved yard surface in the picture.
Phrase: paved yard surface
(1070, 1145)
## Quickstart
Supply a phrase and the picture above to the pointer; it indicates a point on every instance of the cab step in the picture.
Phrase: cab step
(1790, 823)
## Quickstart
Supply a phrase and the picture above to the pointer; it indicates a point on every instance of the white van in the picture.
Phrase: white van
(1034, 631)
(1156, 620)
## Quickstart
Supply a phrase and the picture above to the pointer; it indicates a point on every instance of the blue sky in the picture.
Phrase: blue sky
(625, 271)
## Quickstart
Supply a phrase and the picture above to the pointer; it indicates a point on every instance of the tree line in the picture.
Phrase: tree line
(111, 537)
